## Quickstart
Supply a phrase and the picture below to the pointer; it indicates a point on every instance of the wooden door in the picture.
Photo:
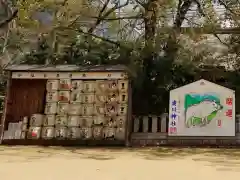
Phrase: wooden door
(26, 97)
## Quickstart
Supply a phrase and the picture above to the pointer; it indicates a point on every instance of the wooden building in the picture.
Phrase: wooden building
(67, 105)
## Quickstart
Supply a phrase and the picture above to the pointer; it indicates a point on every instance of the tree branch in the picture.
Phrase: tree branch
(183, 7)
(120, 18)
(111, 10)
(199, 6)
(140, 3)
(219, 39)
(171, 47)
(226, 7)
(118, 44)
(104, 8)
(99, 15)
(9, 19)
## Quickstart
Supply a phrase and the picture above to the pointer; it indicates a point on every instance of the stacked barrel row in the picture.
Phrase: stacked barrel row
(16, 130)
(77, 109)
(111, 100)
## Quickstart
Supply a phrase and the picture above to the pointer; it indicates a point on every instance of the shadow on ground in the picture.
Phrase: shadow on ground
(31, 153)
(160, 153)
(222, 159)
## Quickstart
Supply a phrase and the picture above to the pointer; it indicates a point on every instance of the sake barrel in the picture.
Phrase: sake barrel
(64, 96)
(87, 109)
(62, 108)
(86, 133)
(88, 86)
(73, 133)
(99, 120)
(25, 120)
(50, 108)
(112, 97)
(112, 109)
(52, 85)
(34, 133)
(100, 109)
(86, 121)
(64, 84)
(17, 134)
(73, 121)
(49, 120)
(122, 109)
(123, 85)
(77, 85)
(88, 98)
(75, 109)
(52, 96)
(120, 133)
(60, 132)
(23, 135)
(61, 120)
(100, 98)
(36, 120)
(121, 121)
(76, 96)
(97, 132)
(48, 132)
(111, 121)
(101, 86)
(112, 85)
(123, 98)
(109, 132)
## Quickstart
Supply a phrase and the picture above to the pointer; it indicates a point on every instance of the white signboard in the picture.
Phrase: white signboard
(202, 108)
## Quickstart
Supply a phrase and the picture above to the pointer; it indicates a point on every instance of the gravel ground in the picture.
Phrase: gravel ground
(55, 163)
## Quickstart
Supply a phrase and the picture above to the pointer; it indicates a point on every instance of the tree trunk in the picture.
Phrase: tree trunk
(171, 47)
(150, 20)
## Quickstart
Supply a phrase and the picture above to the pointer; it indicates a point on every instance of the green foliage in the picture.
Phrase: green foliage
(152, 82)
(38, 55)
(160, 64)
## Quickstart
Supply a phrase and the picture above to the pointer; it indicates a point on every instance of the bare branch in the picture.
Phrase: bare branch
(234, 15)
(183, 7)
(227, 7)
(104, 8)
(118, 44)
(120, 18)
(140, 3)
(9, 19)
(199, 6)
(101, 38)
(99, 16)
(111, 10)
(63, 3)
(219, 39)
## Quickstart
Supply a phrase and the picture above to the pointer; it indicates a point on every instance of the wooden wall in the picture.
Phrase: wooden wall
(26, 97)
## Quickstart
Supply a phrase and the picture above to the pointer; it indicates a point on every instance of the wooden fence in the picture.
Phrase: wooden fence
(153, 130)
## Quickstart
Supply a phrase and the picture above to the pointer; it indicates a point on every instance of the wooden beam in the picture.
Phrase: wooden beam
(154, 124)
(145, 123)
(129, 123)
(136, 124)
(3, 119)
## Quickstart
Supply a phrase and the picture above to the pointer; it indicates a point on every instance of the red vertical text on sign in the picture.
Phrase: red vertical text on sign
(229, 101)
(219, 123)
(229, 113)
(173, 129)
